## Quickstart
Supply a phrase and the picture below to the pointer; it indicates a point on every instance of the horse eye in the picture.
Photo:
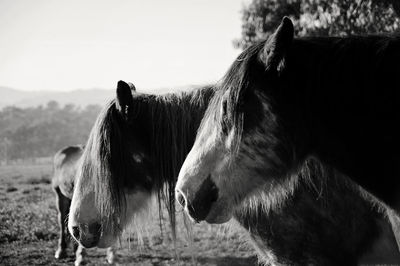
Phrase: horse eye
(224, 118)
(224, 108)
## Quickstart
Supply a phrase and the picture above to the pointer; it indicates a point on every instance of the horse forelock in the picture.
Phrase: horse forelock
(104, 161)
(229, 92)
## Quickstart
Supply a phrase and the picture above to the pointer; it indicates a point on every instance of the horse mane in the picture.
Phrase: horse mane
(173, 120)
(321, 181)
(101, 160)
(313, 205)
(320, 56)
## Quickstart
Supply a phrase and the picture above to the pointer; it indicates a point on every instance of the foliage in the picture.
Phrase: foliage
(41, 131)
(318, 17)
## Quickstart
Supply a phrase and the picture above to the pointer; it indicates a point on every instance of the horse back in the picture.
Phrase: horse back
(65, 166)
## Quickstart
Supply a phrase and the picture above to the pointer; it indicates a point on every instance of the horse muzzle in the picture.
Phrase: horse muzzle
(197, 202)
(87, 235)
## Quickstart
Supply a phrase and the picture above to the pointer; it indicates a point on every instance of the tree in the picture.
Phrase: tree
(318, 17)
(27, 133)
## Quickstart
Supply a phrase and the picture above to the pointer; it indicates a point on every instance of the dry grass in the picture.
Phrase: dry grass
(29, 231)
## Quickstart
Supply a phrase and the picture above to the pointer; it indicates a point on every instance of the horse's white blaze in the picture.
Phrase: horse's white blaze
(206, 159)
(83, 210)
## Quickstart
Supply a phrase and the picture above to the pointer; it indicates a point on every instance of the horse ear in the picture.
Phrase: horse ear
(277, 45)
(124, 97)
(133, 88)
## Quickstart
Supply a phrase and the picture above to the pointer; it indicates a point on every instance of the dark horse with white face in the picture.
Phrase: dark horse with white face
(286, 102)
(135, 149)
(65, 166)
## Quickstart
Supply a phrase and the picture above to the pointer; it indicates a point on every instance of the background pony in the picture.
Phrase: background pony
(65, 166)
(135, 149)
(284, 101)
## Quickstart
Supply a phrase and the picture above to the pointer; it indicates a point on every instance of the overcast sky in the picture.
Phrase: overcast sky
(65, 45)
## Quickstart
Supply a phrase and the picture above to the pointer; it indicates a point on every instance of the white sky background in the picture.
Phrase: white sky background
(65, 45)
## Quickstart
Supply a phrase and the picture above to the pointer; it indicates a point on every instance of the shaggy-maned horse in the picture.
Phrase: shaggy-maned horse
(141, 137)
(65, 166)
(287, 107)
(135, 149)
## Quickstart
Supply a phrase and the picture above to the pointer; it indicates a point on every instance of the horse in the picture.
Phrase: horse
(65, 165)
(286, 101)
(134, 151)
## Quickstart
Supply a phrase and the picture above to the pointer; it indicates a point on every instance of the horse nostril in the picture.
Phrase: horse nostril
(95, 228)
(75, 232)
(181, 199)
(205, 196)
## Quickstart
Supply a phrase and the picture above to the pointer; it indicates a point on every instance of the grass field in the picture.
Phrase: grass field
(29, 231)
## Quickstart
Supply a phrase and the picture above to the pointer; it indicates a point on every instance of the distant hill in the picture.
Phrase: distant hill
(82, 97)
(9, 96)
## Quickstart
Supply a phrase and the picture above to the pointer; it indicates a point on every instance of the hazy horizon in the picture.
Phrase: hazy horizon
(64, 46)
(113, 87)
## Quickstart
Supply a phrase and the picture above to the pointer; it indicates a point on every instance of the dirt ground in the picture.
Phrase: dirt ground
(29, 231)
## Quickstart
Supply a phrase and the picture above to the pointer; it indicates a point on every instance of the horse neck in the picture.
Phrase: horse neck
(319, 216)
(343, 96)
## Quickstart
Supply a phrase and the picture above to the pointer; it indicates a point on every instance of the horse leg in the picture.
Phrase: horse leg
(62, 243)
(80, 252)
(111, 255)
